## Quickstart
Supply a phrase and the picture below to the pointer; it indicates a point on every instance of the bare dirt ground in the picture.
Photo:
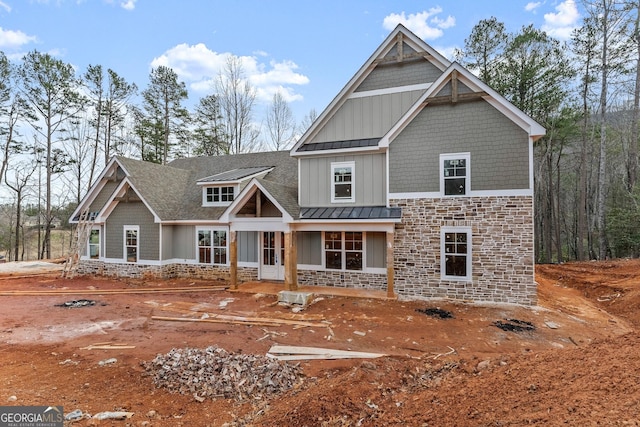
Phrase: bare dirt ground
(579, 366)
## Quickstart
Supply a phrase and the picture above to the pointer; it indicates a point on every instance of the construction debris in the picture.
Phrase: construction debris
(286, 352)
(514, 325)
(242, 320)
(213, 372)
(77, 303)
(436, 312)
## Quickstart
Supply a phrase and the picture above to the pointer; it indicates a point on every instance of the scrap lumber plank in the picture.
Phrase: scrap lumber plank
(286, 350)
(110, 291)
(328, 356)
(191, 319)
(108, 347)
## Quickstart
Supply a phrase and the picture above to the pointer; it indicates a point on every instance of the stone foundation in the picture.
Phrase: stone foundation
(342, 279)
(502, 248)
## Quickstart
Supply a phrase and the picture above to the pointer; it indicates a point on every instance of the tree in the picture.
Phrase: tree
(236, 97)
(280, 123)
(118, 94)
(307, 121)
(50, 88)
(208, 134)
(22, 175)
(162, 105)
(484, 48)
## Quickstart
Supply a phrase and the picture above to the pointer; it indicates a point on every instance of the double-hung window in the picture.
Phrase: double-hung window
(456, 253)
(343, 250)
(131, 242)
(212, 246)
(342, 182)
(455, 174)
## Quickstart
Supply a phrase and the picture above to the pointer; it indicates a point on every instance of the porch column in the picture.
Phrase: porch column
(390, 293)
(290, 261)
(233, 255)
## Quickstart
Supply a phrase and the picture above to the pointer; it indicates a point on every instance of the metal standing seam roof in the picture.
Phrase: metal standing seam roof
(339, 145)
(235, 174)
(357, 213)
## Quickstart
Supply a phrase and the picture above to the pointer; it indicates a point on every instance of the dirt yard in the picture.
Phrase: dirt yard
(575, 362)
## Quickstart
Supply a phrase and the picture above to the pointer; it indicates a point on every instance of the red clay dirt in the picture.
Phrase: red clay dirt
(578, 367)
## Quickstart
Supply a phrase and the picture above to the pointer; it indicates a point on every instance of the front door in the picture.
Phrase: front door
(272, 267)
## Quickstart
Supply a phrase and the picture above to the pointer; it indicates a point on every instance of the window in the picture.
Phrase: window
(342, 175)
(94, 244)
(212, 246)
(131, 243)
(454, 174)
(343, 250)
(218, 195)
(456, 253)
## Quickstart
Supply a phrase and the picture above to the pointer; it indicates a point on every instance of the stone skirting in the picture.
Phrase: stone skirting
(342, 279)
(195, 271)
(502, 248)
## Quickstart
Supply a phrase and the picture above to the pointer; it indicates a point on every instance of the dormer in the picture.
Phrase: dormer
(221, 189)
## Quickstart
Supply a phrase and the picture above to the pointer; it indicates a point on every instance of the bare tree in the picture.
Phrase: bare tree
(236, 97)
(281, 125)
(22, 175)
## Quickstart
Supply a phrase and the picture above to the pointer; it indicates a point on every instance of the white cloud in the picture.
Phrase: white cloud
(532, 6)
(129, 4)
(198, 67)
(563, 22)
(14, 39)
(5, 6)
(425, 24)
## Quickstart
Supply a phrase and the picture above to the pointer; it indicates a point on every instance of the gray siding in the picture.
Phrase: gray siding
(367, 117)
(134, 213)
(402, 74)
(370, 184)
(309, 246)
(247, 246)
(376, 250)
(499, 149)
(178, 241)
(103, 196)
(446, 90)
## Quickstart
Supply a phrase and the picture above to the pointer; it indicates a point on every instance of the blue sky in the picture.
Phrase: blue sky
(307, 50)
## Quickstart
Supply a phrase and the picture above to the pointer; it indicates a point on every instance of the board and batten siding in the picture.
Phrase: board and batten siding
(367, 117)
(309, 246)
(247, 246)
(132, 213)
(499, 149)
(370, 180)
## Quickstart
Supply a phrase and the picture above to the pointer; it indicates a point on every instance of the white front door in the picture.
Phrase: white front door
(272, 263)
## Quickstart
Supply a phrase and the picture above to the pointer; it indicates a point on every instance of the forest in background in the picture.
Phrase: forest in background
(59, 127)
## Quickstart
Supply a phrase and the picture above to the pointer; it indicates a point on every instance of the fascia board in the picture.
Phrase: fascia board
(244, 195)
(94, 190)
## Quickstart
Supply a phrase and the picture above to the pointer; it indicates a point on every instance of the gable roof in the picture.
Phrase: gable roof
(399, 35)
(234, 175)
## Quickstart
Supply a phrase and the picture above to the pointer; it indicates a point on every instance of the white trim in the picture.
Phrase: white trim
(341, 151)
(469, 254)
(390, 90)
(229, 214)
(126, 228)
(212, 246)
(259, 224)
(478, 193)
(467, 176)
(206, 203)
(246, 264)
(352, 183)
(95, 189)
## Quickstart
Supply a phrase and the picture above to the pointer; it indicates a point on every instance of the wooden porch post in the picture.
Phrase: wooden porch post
(290, 261)
(233, 269)
(390, 292)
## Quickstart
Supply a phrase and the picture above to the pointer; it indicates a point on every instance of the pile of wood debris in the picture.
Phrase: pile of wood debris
(213, 372)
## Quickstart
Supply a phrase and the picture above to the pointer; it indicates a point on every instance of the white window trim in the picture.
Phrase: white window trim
(126, 228)
(343, 253)
(443, 254)
(337, 165)
(204, 195)
(88, 250)
(467, 180)
(212, 229)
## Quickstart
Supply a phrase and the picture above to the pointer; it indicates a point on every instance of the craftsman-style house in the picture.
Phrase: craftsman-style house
(417, 179)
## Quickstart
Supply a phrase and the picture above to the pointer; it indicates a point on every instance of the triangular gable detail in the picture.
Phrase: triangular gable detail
(479, 90)
(245, 195)
(391, 49)
(121, 195)
(98, 185)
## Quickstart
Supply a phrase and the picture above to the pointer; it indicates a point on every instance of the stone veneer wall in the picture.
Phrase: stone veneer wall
(502, 248)
(196, 271)
(342, 279)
